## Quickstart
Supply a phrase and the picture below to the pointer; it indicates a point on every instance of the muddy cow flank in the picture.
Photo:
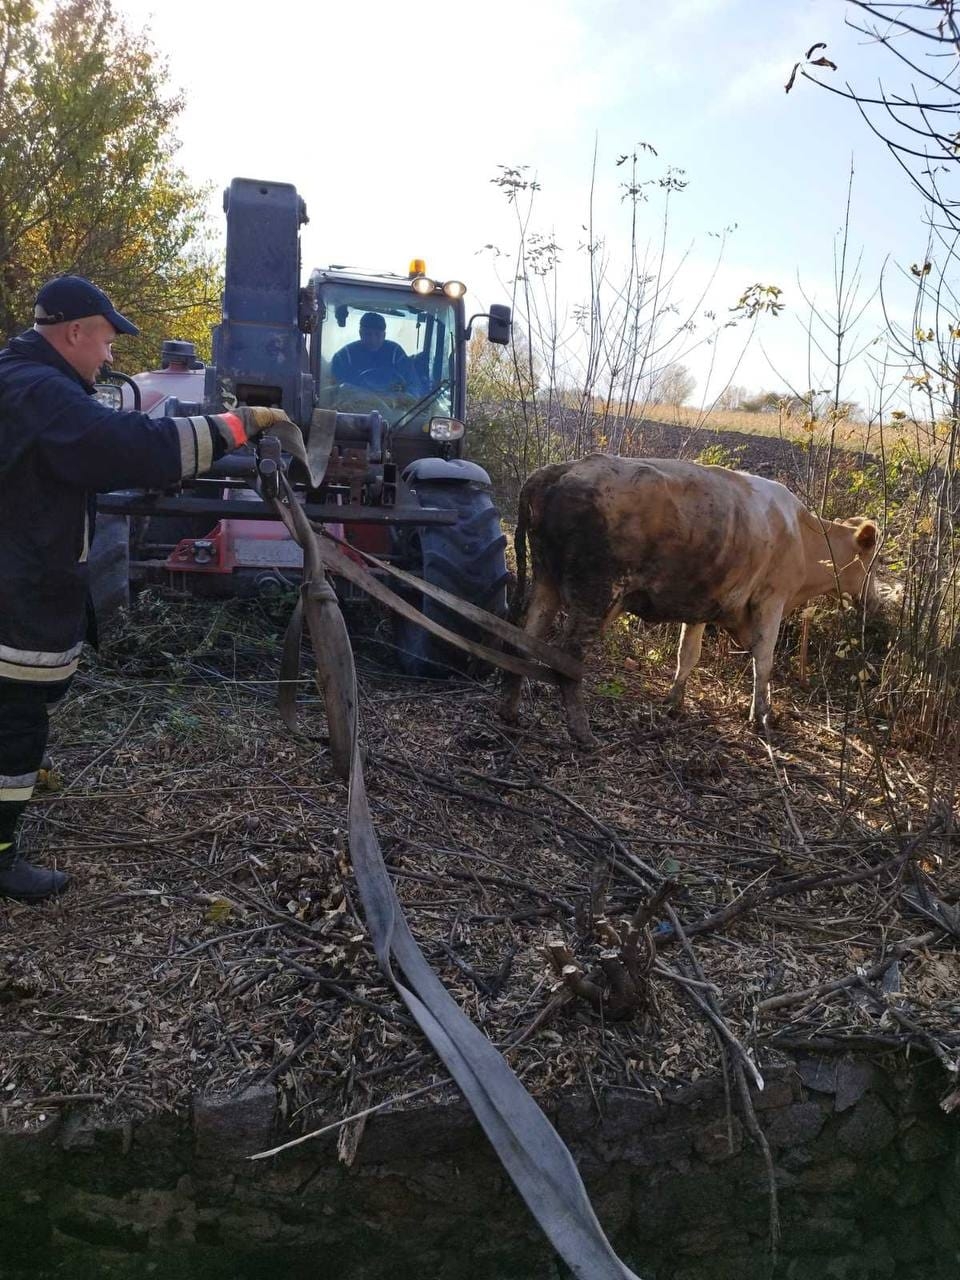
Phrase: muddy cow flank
(674, 541)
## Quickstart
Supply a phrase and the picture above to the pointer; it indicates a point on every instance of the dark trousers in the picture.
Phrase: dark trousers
(24, 726)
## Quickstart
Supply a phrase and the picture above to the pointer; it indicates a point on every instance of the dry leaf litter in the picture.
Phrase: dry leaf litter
(213, 940)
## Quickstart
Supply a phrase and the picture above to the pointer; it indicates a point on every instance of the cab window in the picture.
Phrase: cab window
(381, 349)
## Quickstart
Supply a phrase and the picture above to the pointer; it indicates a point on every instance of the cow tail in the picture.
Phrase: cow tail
(520, 549)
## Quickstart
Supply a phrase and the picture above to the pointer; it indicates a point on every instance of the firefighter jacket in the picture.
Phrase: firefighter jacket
(59, 447)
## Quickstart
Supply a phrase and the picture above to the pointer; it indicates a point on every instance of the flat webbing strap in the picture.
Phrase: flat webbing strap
(314, 453)
(549, 664)
(550, 660)
(528, 1146)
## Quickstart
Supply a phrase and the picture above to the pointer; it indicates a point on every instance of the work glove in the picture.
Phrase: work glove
(246, 421)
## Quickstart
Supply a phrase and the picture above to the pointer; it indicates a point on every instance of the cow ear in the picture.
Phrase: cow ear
(867, 535)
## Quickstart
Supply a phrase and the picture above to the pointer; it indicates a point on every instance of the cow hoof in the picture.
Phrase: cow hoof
(585, 740)
(673, 709)
(764, 726)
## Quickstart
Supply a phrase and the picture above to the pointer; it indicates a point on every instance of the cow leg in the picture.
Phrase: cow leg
(540, 614)
(580, 633)
(688, 655)
(762, 642)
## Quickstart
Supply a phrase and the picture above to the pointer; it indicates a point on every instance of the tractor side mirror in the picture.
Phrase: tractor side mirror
(498, 324)
(108, 393)
(108, 390)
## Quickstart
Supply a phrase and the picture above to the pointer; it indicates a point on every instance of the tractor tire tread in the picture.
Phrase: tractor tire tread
(466, 559)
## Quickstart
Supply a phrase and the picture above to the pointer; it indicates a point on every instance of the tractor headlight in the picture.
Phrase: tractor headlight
(422, 284)
(454, 288)
(444, 429)
(109, 394)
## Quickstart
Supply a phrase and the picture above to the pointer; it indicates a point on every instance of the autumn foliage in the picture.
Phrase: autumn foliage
(88, 183)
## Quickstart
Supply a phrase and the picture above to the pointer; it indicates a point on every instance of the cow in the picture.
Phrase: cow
(675, 541)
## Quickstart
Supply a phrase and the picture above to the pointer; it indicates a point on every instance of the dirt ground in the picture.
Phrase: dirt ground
(211, 938)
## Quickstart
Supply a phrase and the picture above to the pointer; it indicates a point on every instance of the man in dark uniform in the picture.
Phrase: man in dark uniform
(59, 447)
(374, 361)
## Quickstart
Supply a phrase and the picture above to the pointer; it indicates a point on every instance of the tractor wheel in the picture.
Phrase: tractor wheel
(110, 566)
(467, 559)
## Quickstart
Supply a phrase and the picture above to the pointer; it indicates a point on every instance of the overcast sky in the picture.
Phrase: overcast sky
(391, 119)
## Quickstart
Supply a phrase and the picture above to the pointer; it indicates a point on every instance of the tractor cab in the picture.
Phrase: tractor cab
(395, 346)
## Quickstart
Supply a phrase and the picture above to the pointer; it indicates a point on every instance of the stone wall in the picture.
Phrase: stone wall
(867, 1165)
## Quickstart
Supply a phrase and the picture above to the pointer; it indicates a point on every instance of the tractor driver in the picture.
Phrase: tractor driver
(374, 362)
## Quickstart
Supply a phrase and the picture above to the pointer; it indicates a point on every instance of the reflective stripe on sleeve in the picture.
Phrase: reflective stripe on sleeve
(33, 664)
(189, 447)
(17, 786)
(204, 444)
(196, 445)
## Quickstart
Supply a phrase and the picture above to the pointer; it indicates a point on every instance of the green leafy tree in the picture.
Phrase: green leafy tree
(87, 183)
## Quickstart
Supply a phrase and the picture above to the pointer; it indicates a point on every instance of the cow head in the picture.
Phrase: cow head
(854, 546)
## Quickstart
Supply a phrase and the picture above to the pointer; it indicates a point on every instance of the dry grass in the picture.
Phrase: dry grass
(920, 438)
(849, 435)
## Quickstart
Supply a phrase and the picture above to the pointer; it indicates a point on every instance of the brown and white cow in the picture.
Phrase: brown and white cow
(674, 541)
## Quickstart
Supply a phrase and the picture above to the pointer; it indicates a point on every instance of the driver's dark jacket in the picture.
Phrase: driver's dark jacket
(59, 447)
(387, 369)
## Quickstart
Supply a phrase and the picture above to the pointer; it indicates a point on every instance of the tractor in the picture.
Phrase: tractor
(396, 482)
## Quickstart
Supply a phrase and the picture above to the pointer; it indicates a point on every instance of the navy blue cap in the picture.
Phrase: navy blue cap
(73, 298)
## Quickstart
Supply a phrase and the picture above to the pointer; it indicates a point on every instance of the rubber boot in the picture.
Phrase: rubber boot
(23, 881)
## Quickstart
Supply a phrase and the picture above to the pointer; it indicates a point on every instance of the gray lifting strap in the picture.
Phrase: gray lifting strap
(529, 1147)
(315, 453)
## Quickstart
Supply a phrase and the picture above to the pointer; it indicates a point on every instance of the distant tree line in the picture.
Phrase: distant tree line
(811, 404)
